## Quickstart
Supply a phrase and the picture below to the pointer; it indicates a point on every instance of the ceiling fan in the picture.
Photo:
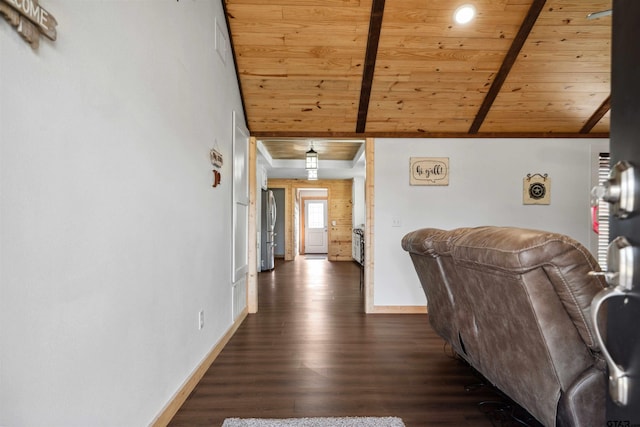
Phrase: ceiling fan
(601, 14)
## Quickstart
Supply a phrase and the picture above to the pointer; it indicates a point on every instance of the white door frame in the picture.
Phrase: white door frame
(240, 217)
(369, 224)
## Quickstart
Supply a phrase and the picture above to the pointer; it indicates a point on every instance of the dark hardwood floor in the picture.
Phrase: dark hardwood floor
(311, 351)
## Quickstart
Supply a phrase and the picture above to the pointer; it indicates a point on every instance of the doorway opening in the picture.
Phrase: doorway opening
(349, 201)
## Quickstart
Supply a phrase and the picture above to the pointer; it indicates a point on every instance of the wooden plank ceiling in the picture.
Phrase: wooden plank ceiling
(355, 68)
(327, 149)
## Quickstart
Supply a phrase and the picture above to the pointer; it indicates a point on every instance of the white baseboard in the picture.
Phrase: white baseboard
(178, 399)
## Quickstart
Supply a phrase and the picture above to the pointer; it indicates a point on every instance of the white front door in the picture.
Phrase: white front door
(315, 226)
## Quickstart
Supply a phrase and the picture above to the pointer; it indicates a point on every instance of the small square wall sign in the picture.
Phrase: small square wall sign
(536, 189)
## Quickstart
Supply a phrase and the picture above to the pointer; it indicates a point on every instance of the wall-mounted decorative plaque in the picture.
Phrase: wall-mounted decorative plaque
(216, 158)
(536, 189)
(429, 171)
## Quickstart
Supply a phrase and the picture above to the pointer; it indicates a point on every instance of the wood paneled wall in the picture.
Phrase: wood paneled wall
(339, 207)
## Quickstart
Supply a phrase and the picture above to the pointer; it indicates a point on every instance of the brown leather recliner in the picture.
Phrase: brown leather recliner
(515, 304)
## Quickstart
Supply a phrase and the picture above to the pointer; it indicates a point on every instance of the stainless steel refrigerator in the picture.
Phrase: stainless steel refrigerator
(268, 225)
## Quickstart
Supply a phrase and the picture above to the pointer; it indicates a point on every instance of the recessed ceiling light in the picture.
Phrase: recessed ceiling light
(464, 14)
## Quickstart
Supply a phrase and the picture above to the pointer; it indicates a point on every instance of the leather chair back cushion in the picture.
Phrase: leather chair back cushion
(432, 241)
(517, 333)
(517, 251)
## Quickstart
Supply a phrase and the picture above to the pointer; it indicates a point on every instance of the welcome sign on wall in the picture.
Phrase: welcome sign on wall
(30, 20)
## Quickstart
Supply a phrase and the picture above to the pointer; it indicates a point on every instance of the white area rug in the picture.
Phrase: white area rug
(315, 422)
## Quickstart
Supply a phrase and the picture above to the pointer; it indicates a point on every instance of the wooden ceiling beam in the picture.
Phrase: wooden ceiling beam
(507, 63)
(361, 135)
(375, 26)
(597, 115)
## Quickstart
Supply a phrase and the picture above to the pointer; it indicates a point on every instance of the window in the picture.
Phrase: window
(603, 212)
(315, 215)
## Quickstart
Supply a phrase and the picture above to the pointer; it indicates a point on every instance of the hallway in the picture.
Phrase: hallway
(311, 351)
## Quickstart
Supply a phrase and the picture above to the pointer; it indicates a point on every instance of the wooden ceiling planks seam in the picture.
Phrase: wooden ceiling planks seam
(527, 67)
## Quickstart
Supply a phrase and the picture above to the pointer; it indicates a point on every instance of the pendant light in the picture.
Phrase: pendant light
(312, 159)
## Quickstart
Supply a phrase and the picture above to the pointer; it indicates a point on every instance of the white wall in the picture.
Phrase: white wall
(485, 189)
(112, 238)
